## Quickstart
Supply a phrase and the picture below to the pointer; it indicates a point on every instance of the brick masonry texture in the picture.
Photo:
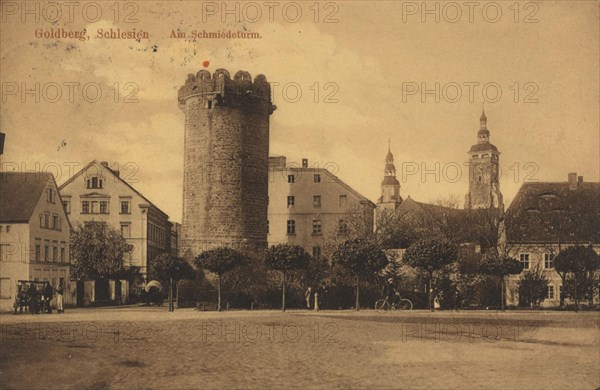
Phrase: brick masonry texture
(226, 152)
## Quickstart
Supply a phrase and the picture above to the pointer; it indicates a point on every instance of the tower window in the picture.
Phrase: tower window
(50, 195)
(524, 258)
(479, 177)
(317, 178)
(126, 230)
(125, 209)
(209, 104)
(291, 200)
(550, 292)
(342, 227)
(291, 178)
(317, 201)
(291, 226)
(67, 206)
(317, 227)
(95, 182)
(548, 260)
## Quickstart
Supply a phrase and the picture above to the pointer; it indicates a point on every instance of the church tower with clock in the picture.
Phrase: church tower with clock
(484, 186)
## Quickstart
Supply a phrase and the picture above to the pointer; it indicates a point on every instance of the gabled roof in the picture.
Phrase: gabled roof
(451, 221)
(331, 175)
(547, 212)
(20, 193)
(111, 172)
(411, 205)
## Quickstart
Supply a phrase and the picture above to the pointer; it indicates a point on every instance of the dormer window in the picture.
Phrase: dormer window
(95, 182)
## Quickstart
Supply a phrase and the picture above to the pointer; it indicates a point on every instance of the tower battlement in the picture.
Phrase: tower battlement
(224, 91)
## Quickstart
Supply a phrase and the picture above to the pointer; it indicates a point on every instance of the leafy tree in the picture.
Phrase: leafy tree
(577, 266)
(501, 268)
(359, 256)
(220, 261)
(98, 251)
(317, 271)
(533, 286)
(286, 258)
(430, 255)
(166, 267)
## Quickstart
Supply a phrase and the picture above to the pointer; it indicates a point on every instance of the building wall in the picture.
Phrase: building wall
(484, 191)
(536, 254)
(37, 250)
(225, 161)
(134, 224)
(304, 212)
(14, 260)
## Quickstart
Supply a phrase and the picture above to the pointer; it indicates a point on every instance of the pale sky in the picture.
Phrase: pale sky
(370, 56)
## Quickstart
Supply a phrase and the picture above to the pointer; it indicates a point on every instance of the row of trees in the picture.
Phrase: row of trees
(358, 259)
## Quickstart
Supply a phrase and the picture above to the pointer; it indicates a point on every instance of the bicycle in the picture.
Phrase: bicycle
(383, 305)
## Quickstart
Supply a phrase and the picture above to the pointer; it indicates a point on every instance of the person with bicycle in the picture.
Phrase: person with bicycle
(392, 299)
(390, 292)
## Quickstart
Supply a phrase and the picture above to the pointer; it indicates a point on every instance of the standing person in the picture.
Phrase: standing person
(317, 293)
(48, 295)
(59, 299)
(18, 304)
(33, 298)
(307, 296)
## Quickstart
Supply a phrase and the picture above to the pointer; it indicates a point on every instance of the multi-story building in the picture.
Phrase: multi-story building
(97, 193)
(545, 218)
(307, 205)
(175, 242)
(34, 235)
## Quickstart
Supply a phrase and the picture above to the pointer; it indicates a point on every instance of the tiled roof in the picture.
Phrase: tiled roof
(20, 193)
(552, 213)
(389, 180)
(483, 147)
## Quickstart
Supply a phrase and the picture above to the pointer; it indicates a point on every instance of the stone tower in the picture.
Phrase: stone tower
(390, 197)
(226, 157)
(484, 186)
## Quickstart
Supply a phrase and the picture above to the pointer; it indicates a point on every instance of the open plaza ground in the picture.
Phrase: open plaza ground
(150, 348)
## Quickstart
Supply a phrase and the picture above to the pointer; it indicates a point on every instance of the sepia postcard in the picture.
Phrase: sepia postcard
(299, 194)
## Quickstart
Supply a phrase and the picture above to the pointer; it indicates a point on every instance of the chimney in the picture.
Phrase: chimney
(572, 179)
(304, 163)
(276, 162)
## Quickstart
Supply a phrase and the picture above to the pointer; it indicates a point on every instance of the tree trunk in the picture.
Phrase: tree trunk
(562, 295)
(357, 295)
(171, 308)
(218, 292)
(430, 293)
(177, 294)
(576, 294)
(283, 293)
(502, 294)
